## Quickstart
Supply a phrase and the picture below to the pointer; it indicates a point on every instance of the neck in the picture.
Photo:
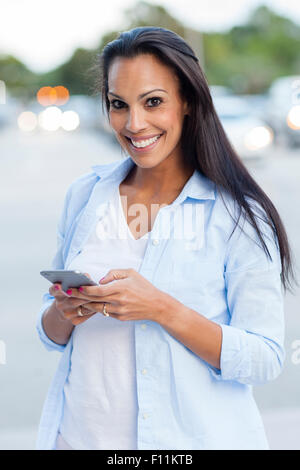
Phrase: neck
(165, 178)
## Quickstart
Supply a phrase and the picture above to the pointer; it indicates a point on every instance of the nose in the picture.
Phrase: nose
(135, 120)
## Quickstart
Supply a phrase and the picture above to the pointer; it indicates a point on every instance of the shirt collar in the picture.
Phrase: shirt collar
(198, 186)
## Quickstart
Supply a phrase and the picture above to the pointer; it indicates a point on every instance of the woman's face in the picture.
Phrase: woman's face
(146, 110)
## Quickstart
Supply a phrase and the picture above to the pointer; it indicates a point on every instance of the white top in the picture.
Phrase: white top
(100, 410)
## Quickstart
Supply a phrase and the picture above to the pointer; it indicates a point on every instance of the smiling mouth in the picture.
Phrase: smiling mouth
(139, 144)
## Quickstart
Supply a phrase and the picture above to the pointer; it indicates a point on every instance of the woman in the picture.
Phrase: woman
(190, 301)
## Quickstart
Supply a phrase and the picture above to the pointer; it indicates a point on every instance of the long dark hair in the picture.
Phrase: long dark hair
(203, 138)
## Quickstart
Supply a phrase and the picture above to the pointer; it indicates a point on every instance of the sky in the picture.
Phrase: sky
(44, 34)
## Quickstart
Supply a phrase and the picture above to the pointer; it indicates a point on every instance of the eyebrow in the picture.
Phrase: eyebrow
(140, 96)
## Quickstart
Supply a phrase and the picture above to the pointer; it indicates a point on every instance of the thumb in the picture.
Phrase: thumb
(114, 275)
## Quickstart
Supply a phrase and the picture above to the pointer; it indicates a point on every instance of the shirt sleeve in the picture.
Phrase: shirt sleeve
(253, 342)
(57, 263)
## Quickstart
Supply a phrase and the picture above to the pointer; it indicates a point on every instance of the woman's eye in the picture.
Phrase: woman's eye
(117, 104)
(156, 101)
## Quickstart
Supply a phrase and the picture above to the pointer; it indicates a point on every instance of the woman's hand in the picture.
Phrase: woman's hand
(68, 307)
(127, 296)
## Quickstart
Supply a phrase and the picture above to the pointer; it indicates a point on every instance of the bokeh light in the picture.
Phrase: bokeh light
(70, 120)
(27, 121)
(50, 118)
(62, 95)
(48, 96)
(293, 118)
(258, 137)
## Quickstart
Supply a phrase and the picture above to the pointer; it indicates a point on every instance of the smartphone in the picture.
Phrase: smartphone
(68, 279)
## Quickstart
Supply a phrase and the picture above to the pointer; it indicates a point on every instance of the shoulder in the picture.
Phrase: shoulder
(232, 215)
(83, 181)
(86, 181)
(245, 243)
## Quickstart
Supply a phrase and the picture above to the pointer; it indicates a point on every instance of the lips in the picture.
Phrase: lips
(141, 148)
(138, 139)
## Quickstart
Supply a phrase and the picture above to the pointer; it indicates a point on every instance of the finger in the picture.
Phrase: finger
(77, 320)
(82, 314)
(86, 309)
(83, 311)
(93, 307)
(94, 292)
(69, 307)
(87, 275)
(116, 274)
(65, 303)
(110, 308)
(56, 290)
(79, 311)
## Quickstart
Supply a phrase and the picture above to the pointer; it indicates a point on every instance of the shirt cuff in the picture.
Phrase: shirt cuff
(235, 360)
(48, 343)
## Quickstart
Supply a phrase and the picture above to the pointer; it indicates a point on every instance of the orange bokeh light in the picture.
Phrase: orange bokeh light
(62, 95)
(43, 95)
(48, 96)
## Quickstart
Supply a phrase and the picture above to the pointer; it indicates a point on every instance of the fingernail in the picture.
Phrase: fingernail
(102, 279)
(56, 287)
(69, 291)
(80, 289)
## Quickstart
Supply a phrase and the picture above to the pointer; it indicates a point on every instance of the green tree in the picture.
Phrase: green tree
(71, 74)
(19, 80)
(246, 58)
(249, 57)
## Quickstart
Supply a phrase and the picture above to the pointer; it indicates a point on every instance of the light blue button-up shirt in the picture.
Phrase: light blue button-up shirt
(183, 402)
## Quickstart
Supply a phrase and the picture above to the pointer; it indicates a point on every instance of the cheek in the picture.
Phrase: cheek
(167, 122)
(172, 120)
(115, 121)
(173, 127)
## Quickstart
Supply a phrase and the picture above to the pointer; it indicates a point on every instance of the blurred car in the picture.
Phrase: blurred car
(282, 111)
(250, 136)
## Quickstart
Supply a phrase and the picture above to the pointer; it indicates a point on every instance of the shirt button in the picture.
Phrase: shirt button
(144, 371)
(155, 242)
(143, 326)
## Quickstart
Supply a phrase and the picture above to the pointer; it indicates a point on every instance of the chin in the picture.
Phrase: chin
(145, 161)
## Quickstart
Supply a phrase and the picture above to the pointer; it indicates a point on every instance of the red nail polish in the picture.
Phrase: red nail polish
(69, 291)
(80, 289)
(56, 287)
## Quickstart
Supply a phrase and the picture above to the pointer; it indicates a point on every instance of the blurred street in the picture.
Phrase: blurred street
(36, 170)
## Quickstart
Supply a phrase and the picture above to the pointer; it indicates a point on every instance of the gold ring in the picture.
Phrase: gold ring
(79, 312)
(104, 311)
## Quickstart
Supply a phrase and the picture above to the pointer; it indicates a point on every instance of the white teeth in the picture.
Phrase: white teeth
(144, 143)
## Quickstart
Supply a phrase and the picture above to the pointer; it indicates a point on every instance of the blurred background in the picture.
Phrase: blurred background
(52, 130)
